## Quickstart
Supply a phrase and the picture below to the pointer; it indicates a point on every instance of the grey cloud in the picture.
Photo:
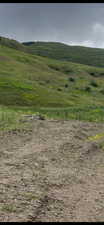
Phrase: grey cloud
(77, 23)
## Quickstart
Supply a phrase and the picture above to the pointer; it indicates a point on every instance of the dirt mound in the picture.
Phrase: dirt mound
(52, 173)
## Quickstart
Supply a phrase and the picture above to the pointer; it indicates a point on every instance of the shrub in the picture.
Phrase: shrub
(92, 73)
(102, 91)
(94, 84)
(59, 89)
(88, 89)
(66, 85)
(71, 79)
(101, 74)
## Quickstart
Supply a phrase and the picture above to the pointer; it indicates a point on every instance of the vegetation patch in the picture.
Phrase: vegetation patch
(29, 80)
(96, 137)
(94, 84)
(9, 208)
(71, 79)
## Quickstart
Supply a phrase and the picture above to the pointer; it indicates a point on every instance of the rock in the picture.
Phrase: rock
(32, 117)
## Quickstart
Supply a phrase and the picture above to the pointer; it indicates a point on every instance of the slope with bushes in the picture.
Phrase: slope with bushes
(63, 52)
(31, 80)
(58, 89)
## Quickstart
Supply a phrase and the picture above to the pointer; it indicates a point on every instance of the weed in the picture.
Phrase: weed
(9, 208)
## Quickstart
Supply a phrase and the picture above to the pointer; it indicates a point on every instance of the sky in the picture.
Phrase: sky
(70, 23)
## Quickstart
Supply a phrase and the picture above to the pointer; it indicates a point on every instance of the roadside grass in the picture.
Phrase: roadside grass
(96, 137)
(11, 118)
(91, 114)
(99, 138)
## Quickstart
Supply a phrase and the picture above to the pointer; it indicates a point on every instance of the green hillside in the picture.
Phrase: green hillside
(31, 80)
(59, 51)
(63, 52)
(12, 44)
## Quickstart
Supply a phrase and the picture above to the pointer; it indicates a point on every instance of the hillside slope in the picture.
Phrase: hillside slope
(63, 52)
(31, 80)
(59, 51)
(12, 44)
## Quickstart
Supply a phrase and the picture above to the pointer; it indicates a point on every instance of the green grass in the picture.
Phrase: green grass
(63, 52)
(10, 117)
(27, 80)
(90, 114)
(58, 89)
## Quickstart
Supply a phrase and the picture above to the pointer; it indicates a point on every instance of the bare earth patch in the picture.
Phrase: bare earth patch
(4, 58)
(52, 173)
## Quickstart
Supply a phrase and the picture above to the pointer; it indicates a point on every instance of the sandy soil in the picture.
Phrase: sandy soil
(52, 173)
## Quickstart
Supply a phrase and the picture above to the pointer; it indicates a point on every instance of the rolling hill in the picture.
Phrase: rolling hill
(63, 52)
(59, 51)
(31, 80)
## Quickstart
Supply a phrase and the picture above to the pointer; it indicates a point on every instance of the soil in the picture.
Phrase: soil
(52, 173)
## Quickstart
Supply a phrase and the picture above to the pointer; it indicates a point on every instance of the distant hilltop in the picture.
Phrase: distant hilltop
(60, 51)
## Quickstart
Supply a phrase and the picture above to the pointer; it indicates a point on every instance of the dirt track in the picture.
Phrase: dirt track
(52, 173)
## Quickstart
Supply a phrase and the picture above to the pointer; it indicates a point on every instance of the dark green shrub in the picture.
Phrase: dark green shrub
(88, 89)
(59, 89)
(71, 79)
(102, 91)
(94, 84)
(66, 85)
(101, 74)
(92, 73)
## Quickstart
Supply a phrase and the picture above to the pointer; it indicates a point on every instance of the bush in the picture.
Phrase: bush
(59, 89)
(102, 91)
(94, 84)
(71, 79)
(66, 85)
(88, 89)
(101, 74)
(92, 74)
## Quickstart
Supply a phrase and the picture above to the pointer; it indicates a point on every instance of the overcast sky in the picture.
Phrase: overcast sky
(70, 23)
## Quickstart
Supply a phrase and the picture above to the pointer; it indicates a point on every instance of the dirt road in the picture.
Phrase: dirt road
(53, 173)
